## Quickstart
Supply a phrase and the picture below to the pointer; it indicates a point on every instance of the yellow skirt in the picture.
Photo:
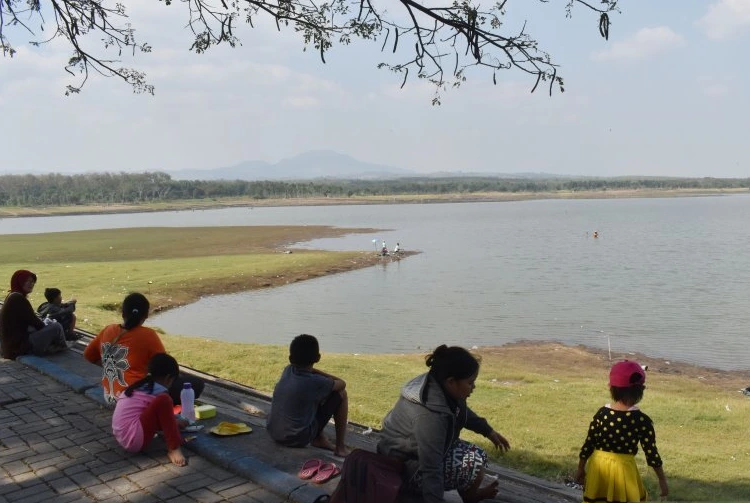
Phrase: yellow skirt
(613, 478)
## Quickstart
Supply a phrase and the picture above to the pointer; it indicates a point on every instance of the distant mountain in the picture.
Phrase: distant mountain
(309, 165)
(492, 174)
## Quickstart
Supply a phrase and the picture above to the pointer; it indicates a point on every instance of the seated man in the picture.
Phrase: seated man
(59, 311)
(305, 399)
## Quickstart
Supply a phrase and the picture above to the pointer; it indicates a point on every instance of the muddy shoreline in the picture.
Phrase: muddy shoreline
(559, 355)
(198, 205)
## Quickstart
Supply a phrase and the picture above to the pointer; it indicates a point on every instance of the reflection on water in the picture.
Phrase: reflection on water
(664, 277)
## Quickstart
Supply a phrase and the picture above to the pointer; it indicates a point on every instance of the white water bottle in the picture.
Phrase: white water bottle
(187, 398)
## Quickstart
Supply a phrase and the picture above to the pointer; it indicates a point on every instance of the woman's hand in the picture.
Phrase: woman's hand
(499, 441)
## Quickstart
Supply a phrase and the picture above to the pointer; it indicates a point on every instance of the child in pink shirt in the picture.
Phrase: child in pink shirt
(145, 407)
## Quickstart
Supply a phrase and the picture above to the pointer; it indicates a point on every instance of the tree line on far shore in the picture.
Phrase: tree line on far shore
(133, 188)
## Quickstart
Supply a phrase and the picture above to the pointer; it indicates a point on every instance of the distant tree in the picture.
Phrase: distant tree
(136, 188)
(442, 42)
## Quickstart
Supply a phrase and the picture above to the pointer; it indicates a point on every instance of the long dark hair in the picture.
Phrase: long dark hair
(160, 366)
(134, 310)
(453, 361)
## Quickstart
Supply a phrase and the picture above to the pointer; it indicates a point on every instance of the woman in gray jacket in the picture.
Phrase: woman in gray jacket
(423, 430)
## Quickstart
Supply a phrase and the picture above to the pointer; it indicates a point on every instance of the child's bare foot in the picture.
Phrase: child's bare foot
(176, 457)
(481, 493)
(323, 443)
(341, 451)
(487, 492)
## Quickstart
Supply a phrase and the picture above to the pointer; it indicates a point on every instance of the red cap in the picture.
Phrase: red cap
(621, 375)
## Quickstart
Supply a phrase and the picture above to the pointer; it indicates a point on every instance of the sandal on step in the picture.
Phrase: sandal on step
(326, 473)
(309, 469)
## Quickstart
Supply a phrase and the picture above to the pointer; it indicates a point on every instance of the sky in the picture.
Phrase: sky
(667, 95)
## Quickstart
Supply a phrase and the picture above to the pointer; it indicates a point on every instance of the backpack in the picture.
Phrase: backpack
(368, 477)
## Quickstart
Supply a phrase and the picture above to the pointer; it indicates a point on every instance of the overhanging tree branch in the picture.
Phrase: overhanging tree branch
(460, 34)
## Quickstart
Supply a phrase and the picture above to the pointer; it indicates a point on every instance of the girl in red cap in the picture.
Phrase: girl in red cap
(611, 445)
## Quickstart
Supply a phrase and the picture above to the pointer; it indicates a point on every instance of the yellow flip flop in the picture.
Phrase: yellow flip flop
(226, 429)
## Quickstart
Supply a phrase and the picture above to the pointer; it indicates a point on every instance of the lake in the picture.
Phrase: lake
(667, 277)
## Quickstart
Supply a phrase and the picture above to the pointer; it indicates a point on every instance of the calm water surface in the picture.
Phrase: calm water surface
(666, 277)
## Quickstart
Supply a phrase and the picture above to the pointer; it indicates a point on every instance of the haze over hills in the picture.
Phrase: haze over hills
(317, 164)
(308, 165)
(326, 165)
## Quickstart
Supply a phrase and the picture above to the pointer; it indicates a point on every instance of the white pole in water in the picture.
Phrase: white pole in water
(609, 348)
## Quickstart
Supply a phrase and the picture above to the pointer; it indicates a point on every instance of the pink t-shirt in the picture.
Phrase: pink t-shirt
(126, 420)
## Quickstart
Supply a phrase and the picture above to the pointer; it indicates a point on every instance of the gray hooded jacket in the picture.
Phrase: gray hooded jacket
(421, 429)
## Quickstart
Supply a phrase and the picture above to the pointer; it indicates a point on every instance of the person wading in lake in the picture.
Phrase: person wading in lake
(21, 331)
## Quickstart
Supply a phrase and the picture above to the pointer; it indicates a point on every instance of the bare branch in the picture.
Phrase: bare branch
(474, 36)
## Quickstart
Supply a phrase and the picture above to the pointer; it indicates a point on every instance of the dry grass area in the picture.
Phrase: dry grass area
(160, 243)
(541, 396)
(230, 202)
(172, 266)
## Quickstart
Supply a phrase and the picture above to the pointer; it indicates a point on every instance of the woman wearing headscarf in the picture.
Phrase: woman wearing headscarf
(21, 331)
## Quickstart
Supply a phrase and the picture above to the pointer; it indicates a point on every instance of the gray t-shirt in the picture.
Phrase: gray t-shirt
(296, 399)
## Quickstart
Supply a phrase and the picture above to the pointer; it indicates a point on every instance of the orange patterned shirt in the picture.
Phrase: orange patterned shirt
(125, 361)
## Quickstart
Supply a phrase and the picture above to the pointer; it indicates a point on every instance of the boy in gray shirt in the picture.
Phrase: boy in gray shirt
(60, 311)
(305, 399)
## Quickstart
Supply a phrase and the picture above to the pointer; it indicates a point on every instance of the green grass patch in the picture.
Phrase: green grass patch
(171, 266)
(156, 243)
(544, 412)
(541, 397)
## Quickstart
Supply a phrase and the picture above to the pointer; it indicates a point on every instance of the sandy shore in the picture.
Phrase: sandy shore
(165, 301)
(555, 355)
(200, 204)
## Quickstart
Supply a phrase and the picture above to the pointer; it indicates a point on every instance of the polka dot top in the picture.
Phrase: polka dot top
(620, 432)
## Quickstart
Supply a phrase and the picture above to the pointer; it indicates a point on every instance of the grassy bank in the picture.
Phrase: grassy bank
(172, 266)
(540, 396)
(230, 202)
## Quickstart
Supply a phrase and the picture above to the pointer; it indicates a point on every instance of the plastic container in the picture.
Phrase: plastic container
(187, 397)
(205, 411)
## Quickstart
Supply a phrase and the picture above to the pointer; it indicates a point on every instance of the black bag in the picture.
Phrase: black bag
(368, 477)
